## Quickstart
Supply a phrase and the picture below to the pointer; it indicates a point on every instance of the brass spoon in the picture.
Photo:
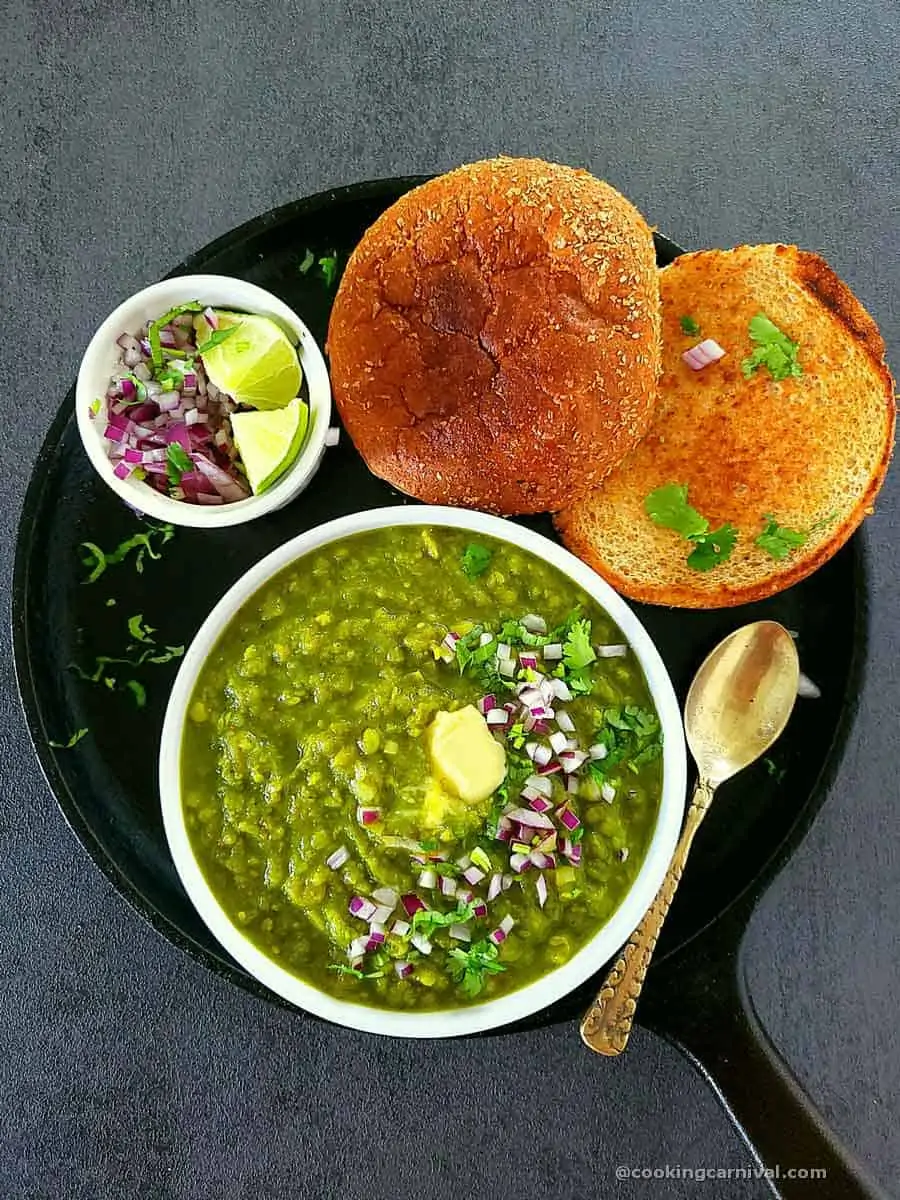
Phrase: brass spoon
(738, 704)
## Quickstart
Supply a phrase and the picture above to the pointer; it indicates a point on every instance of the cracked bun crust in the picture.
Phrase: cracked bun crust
(494, 342)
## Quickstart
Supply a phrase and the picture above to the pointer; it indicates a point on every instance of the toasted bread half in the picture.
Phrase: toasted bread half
(811, 450)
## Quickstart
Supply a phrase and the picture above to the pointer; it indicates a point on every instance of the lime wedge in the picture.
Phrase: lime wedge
(269, 442)
(256, 365)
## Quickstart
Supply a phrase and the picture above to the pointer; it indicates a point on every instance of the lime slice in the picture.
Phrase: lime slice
(256, 365)
(269, 442)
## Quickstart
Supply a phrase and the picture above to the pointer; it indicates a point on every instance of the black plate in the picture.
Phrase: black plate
(106, 786)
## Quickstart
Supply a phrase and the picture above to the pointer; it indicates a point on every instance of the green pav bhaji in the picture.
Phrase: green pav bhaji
(420, 770)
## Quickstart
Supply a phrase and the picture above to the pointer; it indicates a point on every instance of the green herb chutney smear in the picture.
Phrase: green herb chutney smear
(335, 756)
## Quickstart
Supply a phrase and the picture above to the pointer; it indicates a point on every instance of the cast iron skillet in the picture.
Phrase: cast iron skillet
(106, 785)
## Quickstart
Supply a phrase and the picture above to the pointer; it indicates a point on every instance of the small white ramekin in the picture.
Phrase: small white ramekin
(99, 362)
(550, 987)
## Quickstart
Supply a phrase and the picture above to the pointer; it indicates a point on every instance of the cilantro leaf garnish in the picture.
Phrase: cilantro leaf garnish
(307, 261)
(352, 971)
(328, 268)
(631, 735)
(712, 548)
(98, 560)
(577, 649)
(217, 337)
(777, 540)
(178, 463)
(668, 507)
(470, 967)
(154, 328)
(475, 560)
(73, 740)
(689, 326)
(774, 350)
(96, 406)
(774, 770)
(138, 691)
(138, 630)
(427, 920)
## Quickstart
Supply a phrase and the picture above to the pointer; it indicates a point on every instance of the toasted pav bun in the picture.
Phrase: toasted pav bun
(810, 450)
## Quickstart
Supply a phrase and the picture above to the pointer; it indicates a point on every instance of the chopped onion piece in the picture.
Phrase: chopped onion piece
(508, 881)
(381, 914)
(572, 785)
(464, 862)
(506, 667)
(507, 923)
(561, 690)
(473, 875)
(530, 819)
(495, 887)
(519, 862)
(362, 908)
(542, 755)
(565, 722)
(552, 651)
(703, 354)
(608, 792)
(486, 703)
(427, 880)
(497, 716)
(611, 651)
(421, 943)
(403, 969)
(528, 662)
(460, 932)
(597, 751)
(357, 947)
(480, 909)
(387, 896)
(558, 741)
(336, 860)
(541, 785)
(534, 624)
(541, 888)
(412, 903)
(571, 760)
(568, 819)
(448, 886)
(401, 928)
(333, 436)
(368, 816)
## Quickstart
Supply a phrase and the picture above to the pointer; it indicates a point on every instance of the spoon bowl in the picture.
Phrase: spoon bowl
(738, 704)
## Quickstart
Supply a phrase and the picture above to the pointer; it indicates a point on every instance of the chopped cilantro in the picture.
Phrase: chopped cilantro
(177, 463)
(98, 560)
(328, 268)
(712, 548)
(668, 507)
(774, 770)
(631, 736)
(73, 740)
(217, 337)
(345, 970)
(96, 406)
(138, 691)
(577, 649)
(689, 326)
(475, 560)
(138, 630)
(778, 541)
(516, 736)
(470, 967)
(427, 920)
(774, 350)
(154, 328)
(308, 259)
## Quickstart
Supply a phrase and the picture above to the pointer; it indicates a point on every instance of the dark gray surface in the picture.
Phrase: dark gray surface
(132, 134)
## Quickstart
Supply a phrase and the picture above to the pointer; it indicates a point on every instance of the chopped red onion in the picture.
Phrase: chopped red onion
(552, 651)
(401, 928)
(480, 909)
(704, 353)
(421, 943)
(412, 903)
(534, 624)
(574, 854)
(403, 969)
(551, 768)
(497, 936)
(568, 819)
(381, 914)
(506, 667)
(530, 748)
(543, 786)
(558, 741)
(508, 881)
(333, 436)
(530, 819)
(357, 947)
(336, 860)
(497, 716)
(464, 862)
(542, 756)
(494, 887)
(211, 318)
(572, 785)
(520, 862)
(427, 880)
(608, 792)
(486, 703)
(448, 886)
(572, 759)
(541, 889)
(387, 896)
(362, 908)
(541, 804)
(450, 640)
(528, 662)
(540, 860)
(507, 923)
(597, 752)
(485, 639)
(460, 933)
(368, 816)
(473, 875)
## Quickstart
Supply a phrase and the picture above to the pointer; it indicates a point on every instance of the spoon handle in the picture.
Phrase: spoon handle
(607, 1023)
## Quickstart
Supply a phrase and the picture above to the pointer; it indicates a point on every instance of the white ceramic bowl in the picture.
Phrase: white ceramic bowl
(219, 291)
(534, 996)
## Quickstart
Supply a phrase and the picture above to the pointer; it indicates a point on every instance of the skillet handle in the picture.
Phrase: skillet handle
(698, 1000)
